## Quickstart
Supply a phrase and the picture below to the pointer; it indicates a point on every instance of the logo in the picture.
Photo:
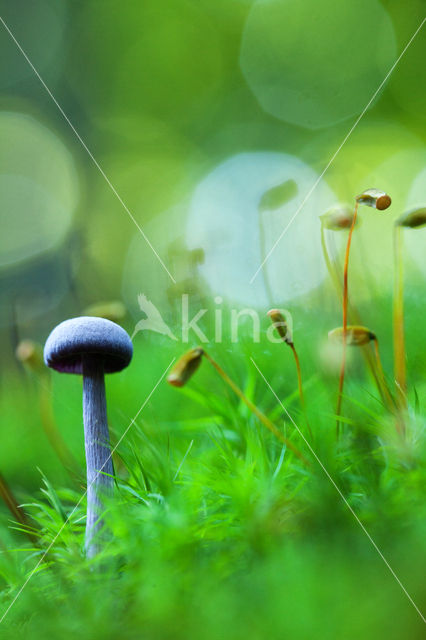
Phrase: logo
(222, 321)
(153, 320)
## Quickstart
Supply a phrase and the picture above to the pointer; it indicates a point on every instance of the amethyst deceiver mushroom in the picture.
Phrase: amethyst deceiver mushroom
(91, 347)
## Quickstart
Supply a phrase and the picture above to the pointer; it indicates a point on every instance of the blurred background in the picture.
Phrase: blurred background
(211, 123)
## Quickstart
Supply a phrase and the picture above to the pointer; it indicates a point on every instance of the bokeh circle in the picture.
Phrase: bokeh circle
(315, 64)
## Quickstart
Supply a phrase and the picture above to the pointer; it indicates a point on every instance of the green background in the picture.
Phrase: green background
(163, 94)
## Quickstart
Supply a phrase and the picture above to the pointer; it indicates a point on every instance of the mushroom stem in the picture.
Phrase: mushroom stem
(98, 455)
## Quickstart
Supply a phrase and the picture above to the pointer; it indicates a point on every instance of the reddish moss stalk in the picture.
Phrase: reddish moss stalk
(15, 509)
(300, 385)
(353, 314)
(280, 324)
(345, 319)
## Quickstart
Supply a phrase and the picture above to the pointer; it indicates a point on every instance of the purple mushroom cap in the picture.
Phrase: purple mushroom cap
(73, 339)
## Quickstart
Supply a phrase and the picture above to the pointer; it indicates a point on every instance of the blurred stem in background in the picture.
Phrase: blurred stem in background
(413, 219)
(262, 242)
(272, 200)
(15, 509)
(31, 355)
(383, 387)
(398, 320)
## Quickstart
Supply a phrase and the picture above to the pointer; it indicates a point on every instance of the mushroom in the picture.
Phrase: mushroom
(92, 347)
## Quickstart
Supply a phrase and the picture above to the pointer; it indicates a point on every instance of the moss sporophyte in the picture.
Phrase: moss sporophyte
(336, 220)
(378, 200)
(187, 365)
(281, 326)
